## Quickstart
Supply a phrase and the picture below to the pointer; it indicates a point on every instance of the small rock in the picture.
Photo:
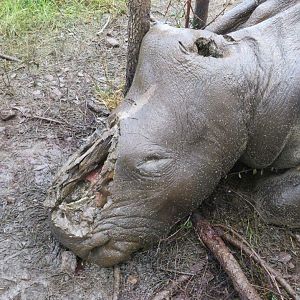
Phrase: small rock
(284, 257)
(10, 200)
(26, 276)
(49, 77)
(95, 107)
(112, 42)
(7, 114)
(80, 74)
(132, 279)
(2, 130)
(66, 278)
(291, 265)
(68, 262)
(298, 237)
(37, 94)
(56, 93)
(13, 75)
(40, 167)
(102, 79)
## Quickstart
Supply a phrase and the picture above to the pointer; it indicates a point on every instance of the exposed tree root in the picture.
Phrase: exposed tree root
(213, 241)
(272, 273)
(212, 237)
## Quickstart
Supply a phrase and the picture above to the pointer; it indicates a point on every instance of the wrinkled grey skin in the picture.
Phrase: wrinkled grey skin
(187, 119)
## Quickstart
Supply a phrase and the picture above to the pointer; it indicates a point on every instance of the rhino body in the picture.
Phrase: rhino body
(201, 101)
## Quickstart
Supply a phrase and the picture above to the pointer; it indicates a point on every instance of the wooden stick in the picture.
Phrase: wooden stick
(117, 279)
(38, 117)
(45, 119)
(104, 26)
(253, 254)
(216, 245)
(188, 11)
(9, 58)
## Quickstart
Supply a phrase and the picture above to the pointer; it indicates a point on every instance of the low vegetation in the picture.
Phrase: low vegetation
(19, 17)
(111, 98)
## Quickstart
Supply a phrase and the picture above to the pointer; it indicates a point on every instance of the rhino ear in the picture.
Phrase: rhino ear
(213, 45)
(208, 47)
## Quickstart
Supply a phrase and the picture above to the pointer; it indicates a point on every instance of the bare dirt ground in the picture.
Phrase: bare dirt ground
(52, 99)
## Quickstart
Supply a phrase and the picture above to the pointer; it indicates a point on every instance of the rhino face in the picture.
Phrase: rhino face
(174, 139)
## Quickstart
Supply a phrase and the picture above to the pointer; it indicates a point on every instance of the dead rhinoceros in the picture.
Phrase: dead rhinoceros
(200, 101)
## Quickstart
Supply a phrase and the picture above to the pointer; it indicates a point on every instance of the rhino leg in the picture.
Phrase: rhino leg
(278, 198)
(248, 13)
(267, 10)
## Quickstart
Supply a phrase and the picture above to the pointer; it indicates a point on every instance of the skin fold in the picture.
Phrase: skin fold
(200, 102)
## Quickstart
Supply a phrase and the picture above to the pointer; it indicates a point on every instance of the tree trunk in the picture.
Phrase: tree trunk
(200, 13)
(138, 25)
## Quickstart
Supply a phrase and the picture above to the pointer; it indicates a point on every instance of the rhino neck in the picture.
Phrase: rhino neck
(271, 71)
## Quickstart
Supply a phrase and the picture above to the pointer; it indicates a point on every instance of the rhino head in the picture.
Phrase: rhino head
(180, 128)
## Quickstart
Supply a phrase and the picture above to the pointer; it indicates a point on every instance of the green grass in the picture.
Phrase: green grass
(19, 17)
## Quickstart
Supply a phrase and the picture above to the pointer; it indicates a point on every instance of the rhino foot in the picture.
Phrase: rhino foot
(278, 199)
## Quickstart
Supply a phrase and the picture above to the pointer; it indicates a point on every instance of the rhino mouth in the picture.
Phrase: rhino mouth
(81, 192)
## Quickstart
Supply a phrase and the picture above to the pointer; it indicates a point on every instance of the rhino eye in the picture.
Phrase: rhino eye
(153, 164)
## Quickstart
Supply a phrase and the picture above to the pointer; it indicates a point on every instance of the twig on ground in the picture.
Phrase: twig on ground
(172, 287)
(216, 245)
(45, 119)
(38, 117)
(104, 26)
(274, 275)
(7, 258)
(9, 58)
(117, 280)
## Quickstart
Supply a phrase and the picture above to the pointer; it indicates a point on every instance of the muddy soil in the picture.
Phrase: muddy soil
(52, 103)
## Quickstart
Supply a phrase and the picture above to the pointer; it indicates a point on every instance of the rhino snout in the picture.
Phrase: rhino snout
(112, 253)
